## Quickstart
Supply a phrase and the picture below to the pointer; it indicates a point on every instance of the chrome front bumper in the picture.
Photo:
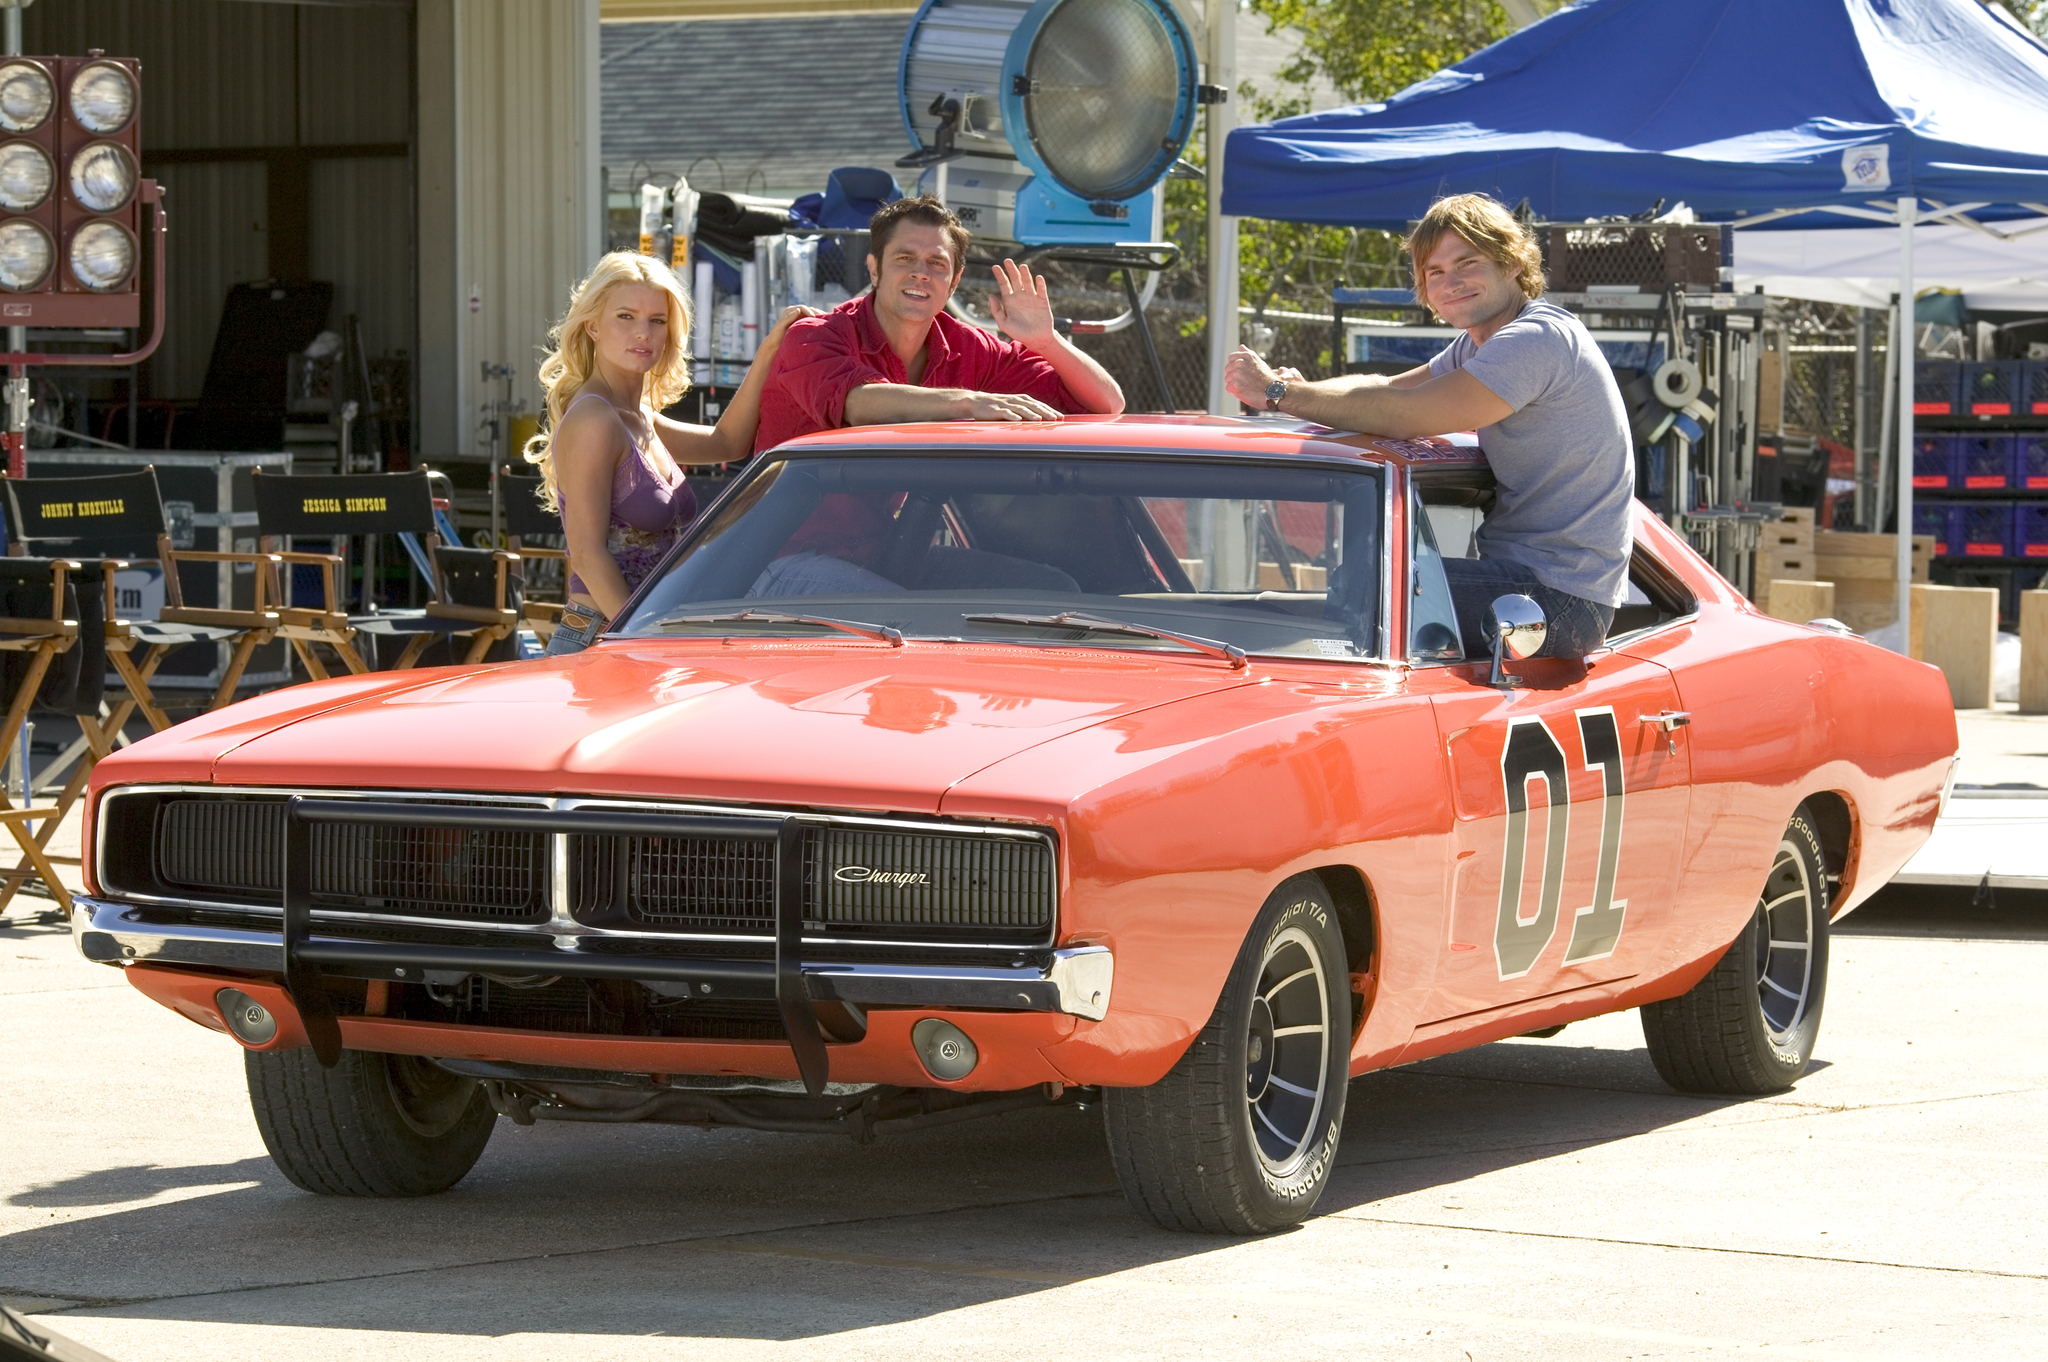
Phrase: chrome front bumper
(1076, 981)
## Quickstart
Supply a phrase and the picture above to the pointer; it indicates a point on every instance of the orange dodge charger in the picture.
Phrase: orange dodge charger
(950, 770)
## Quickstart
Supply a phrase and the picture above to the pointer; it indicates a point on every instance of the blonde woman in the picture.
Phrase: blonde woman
(612, 463)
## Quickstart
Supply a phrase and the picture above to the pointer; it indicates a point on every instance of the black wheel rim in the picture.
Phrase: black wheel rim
(1287, 1051)
(1785, 924)
(428, 1098)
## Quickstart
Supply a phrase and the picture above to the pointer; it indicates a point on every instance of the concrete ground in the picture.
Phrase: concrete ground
(1529, 1199)
(2002, 746)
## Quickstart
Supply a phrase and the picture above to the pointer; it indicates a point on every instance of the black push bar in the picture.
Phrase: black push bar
(302, 952)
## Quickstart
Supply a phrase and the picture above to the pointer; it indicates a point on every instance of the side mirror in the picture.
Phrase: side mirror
(1516, 628)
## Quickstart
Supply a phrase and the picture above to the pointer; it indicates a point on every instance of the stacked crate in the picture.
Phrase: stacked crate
(1865, 571)
(1784, 554)
(1980, 473)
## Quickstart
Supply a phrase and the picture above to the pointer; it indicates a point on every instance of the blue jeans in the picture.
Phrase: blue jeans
(1577, 625)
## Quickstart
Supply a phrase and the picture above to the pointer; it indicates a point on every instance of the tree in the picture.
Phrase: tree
(1368, 49)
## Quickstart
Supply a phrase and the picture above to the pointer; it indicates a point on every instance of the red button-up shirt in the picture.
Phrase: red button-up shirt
(822, 359)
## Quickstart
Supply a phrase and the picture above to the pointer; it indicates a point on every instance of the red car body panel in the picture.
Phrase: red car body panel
(1182, 792)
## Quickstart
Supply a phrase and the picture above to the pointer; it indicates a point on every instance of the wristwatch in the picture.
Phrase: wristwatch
(1275, 390)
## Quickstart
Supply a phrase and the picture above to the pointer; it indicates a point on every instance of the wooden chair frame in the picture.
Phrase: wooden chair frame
(491, 624)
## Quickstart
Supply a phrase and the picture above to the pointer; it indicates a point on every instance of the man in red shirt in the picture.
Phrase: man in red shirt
(894, 354)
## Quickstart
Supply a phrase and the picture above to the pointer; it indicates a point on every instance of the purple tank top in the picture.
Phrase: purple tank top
(648, 514)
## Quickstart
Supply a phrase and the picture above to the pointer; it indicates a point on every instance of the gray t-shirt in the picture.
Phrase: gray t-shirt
(1564, 460)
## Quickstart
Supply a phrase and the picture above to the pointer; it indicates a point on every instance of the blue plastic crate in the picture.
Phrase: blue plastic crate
(2030, 461)
(2030, 530)
(2033, 387)
(1934, 463)
(1984, 463)
(1991, 388)
(1938, 518)
(1986, 529)
(1937, 384)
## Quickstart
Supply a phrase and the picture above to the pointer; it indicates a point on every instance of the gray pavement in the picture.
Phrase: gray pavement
(1529, 1199)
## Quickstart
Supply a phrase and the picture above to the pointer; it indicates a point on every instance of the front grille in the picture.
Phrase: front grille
(897, 879)
(961, 886)
(702, 883)
(235, 849)
(879, 884)
(222, 845)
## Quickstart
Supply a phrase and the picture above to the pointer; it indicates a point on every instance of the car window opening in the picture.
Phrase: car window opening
(1454, 506)
(1246, 558)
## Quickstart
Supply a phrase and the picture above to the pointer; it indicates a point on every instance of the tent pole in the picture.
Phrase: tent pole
(1863, 488)
(1888, 401)
(1222, 235)
(1903, 342)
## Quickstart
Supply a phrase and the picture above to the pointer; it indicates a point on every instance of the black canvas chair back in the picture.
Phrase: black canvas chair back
(115, 516)
(75, 680)
(325, 505)
(524, 515)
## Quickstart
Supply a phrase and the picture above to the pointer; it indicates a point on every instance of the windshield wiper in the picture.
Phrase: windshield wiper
(1093, 624)
(881, 633)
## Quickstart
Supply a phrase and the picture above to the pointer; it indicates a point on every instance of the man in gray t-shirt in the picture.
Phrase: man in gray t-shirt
(1529, 378)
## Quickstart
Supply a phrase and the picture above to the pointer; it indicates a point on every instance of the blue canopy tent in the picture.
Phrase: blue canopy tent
(1751, 112)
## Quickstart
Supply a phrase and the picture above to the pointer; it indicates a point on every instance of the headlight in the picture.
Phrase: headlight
(102, 97)
(25, 96)
(102, 177)
(25, 176)
(24, 255)
(102, 256)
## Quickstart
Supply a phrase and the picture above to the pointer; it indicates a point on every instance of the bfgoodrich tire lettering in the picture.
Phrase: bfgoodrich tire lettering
(1241, 1134)
(373, 1125)
(1749, 1027)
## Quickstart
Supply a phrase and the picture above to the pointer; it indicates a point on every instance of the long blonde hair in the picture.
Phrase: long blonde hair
(572, 356)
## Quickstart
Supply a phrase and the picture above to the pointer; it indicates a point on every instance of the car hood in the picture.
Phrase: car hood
(846, 725)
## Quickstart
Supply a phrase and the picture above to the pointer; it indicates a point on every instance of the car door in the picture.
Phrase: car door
(1571, 794)
(1570, 798)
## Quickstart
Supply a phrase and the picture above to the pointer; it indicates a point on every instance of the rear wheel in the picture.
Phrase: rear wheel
(1749, 1027)
(1240, 1136)
(373, 1125)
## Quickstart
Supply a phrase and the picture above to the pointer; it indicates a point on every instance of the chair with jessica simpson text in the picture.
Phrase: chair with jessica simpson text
(475, 591)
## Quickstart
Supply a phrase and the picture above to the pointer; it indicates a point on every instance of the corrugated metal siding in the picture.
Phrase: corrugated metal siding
(361, 241)
(356, 74)
(213, 75)
(257, 75)
(527, 217)
(219, 237)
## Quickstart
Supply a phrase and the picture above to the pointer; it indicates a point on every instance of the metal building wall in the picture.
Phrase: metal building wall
(228, 74)
(509, 201)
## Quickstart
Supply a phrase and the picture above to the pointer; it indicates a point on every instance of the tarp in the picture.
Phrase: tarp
(1850, 265)
(1734, 107)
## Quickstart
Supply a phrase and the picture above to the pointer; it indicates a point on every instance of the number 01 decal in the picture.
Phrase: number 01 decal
(1533, 754)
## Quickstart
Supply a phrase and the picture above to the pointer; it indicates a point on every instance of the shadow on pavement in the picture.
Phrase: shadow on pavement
(138, 1182)
(1978, 914)
(639, 1230)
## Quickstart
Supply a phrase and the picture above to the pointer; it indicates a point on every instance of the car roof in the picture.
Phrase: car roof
(1183, 436)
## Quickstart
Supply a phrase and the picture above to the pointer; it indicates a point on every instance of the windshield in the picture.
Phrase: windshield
(1261, 559)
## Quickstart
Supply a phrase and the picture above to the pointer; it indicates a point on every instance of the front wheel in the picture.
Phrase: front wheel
(1749, 1027)
(373, 1125)
(1241, 1134)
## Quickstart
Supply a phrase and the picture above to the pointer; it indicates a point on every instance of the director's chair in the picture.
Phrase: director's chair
(475, 591)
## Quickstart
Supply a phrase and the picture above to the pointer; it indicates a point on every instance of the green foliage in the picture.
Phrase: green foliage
(2032, 13)
(1370, 49)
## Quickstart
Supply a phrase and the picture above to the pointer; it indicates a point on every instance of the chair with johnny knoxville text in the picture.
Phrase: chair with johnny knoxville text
(105, 526)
